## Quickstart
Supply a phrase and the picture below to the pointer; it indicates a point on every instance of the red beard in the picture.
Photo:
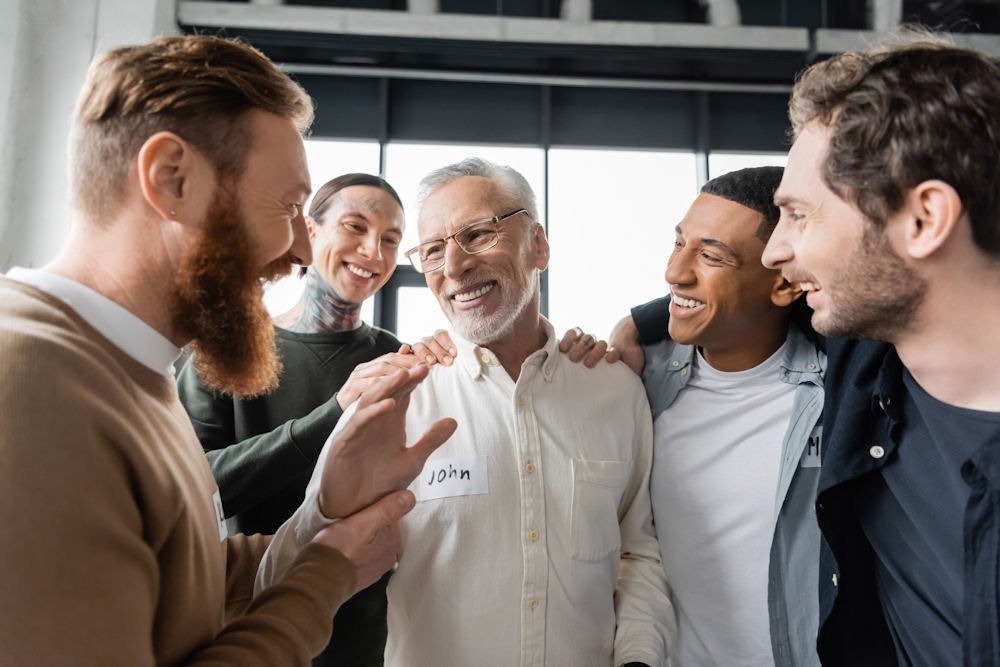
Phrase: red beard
(218, 305)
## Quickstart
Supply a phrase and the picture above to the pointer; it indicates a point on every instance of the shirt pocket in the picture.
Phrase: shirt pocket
(597, 488)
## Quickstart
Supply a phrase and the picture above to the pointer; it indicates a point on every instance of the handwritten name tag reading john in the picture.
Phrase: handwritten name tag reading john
(456, 476)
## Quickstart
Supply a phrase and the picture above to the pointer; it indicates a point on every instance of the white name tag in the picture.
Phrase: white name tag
(457, 476)
(220, 516)
(811, 456)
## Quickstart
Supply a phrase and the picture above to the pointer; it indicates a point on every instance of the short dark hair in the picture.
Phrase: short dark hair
(754, 188)
(197, 86)
(903, 113)
(324, 197)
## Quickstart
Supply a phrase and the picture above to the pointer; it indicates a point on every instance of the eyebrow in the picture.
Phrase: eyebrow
(713, 243)
(783, 201)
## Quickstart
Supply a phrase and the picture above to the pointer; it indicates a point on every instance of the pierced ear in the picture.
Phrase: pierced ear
(165, 174)
(934, 209)
(784, 293)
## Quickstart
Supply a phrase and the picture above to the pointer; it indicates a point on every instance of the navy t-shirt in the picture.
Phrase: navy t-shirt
(912, 514)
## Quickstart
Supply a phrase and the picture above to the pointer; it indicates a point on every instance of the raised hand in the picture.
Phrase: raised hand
(369, 457)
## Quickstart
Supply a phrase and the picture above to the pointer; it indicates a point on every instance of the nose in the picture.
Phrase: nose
(371, 245)
(678, 270)
(778, 250)
(301, 250)
(456, 260)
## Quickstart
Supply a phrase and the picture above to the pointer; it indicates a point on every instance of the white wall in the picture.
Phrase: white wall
(45, 48)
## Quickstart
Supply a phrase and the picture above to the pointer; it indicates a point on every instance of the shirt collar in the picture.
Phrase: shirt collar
(475, 359)
(129, 333)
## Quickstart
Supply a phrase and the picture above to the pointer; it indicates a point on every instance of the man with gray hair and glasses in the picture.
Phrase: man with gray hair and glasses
(532, 540)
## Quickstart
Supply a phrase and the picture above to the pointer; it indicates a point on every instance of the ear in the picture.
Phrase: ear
(166, 174)
(933, 209)
(541, 248)
(311, 227)
(784, 293)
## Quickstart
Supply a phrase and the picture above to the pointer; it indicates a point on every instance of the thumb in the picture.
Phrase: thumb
(434, 437)
(390, 508)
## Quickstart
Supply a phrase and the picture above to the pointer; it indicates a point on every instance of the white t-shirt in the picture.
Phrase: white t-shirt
(716, 457)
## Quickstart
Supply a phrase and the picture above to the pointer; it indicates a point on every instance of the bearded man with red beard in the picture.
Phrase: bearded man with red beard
(188, 177)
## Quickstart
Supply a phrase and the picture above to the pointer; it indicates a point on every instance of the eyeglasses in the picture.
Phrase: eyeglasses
(473, 238)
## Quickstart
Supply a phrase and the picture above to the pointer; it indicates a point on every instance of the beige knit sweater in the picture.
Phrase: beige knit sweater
(110, 552)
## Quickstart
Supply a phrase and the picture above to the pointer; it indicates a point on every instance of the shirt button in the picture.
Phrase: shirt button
(529, 467)
(520, 402)
(684, 372)
(533, 603)
(533, 535)
(675, 364)
(486, 359)
(811, 367)
(876, 451)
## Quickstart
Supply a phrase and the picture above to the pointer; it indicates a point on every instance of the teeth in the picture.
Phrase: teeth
(474, 294)
(687, 303)
(358, 271)
(808, 286)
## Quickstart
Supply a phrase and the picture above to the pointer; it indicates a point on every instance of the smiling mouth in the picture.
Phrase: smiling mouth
(463, 297)
(358, 271)
(685, 302)
(808, 286)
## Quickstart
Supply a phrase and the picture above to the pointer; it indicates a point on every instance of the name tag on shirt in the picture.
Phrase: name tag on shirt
(456, 476)
(220, 516)
(811, 456)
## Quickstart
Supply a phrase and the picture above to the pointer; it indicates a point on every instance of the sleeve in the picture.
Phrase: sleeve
(250, 471)
(646, 621)
(296, 533)
(651, 320)
(294, 617)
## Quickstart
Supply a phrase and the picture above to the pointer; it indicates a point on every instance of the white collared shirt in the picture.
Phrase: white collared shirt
(129, 333)
(540, 548)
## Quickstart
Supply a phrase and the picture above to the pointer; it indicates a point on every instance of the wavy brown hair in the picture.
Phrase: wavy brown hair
(905, 112)
(197, 86)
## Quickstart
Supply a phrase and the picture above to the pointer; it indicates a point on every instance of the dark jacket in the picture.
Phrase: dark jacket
(864, 383)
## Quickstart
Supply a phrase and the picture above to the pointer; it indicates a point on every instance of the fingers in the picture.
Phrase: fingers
(437, 348)
(434, 437)
(397, 385)
(613, 355)
(595, 354)
(569, 338)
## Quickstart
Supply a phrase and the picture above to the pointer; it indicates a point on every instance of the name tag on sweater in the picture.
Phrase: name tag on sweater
(220, 516)
(456, 476)
(811, 456)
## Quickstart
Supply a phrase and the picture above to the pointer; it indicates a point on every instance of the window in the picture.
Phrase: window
(612, 215)
(723, 163)
(327, 159)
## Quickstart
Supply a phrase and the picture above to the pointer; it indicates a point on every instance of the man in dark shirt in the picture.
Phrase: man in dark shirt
(890, 222)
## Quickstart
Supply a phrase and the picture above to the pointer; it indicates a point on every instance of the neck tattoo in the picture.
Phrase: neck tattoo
(323, 310)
